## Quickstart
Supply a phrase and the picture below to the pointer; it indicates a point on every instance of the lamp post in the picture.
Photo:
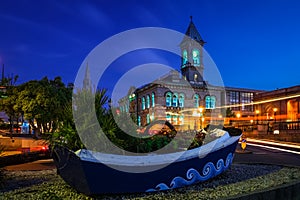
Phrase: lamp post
(275, 110)
(257, 112)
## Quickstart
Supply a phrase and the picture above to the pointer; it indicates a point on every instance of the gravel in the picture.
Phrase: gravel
(238, 179)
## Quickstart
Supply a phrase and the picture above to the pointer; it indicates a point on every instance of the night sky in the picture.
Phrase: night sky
(255, 44)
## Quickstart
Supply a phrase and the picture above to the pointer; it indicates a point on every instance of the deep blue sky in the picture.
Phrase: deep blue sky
(255, 44)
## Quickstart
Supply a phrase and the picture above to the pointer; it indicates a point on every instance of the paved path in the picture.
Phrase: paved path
(33, 166)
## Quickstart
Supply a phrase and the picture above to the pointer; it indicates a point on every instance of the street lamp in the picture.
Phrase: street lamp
(275, 110)
(257, 112)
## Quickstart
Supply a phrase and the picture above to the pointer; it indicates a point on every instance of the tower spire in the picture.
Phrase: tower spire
(87, 78)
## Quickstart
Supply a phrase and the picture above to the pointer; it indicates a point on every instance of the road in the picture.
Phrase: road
(269, 153)
(256, 152)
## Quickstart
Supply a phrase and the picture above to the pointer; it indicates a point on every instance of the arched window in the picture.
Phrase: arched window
(169, 99)
(196, 77)
(196, 100)
(139, 120)
(148, 118)
(196, 57)
(168, 118)
(148, 101)
(175, 100)
(153, 99)
(210, 102)
(207, 102)
(143, 103)
(184, 57)
(181, 100)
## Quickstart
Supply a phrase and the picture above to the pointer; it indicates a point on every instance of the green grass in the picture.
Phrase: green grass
(51, 186)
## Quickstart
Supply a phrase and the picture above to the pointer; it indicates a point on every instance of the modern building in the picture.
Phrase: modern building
(281, 105)
(184, 98)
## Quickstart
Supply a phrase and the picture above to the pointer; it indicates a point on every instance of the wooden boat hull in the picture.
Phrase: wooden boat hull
(93, 178)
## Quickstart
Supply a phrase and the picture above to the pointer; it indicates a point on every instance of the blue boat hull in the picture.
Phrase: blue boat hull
(94, 178)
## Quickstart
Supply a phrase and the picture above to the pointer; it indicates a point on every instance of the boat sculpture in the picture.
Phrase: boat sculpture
(83, 170)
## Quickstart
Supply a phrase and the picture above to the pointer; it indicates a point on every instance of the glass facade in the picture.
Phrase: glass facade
(240, 99)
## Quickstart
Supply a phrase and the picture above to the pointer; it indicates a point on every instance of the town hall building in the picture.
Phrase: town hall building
(184, 98)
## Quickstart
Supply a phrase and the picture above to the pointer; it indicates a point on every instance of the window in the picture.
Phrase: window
(181, 100)
(210, 102)
(246, 98)
(175, 120)
(148, 101)
(196, 77)
(169, 99)
(143, 103)
(153, 99)
(181, 119)
(234, 98)
(148, 119)
(139, 120)
(196, 100)
(184, 57)
(196, 57)
(175, 100)
(168, 118)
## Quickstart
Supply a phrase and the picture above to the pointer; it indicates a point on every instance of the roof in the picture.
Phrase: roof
(193, 33)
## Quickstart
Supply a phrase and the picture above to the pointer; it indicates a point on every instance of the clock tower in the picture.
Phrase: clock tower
(192, 55)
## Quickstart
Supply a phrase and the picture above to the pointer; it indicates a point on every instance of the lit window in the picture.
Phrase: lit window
(148, 101)
(143, 103)
(181, 101)
(175, 120)
(196, 77)
(168, 118)
(181, 120)
(196, 57)
(210, 102)
(184, 57)
(175, 100)
(139, 120)
(196, 100)
(213, 102)
(153, 99)
(168, 99)
(148, 118)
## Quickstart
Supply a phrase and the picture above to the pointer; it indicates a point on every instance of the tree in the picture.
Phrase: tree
(44, 102)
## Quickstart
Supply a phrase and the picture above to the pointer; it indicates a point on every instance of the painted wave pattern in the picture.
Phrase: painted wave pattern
(193, 176)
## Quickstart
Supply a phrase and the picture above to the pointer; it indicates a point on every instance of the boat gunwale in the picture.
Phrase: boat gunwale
(156, 159)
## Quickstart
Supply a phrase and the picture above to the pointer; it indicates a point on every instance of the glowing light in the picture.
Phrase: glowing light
(261, 102)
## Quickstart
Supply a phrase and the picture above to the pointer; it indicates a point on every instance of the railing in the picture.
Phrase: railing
(289, 125)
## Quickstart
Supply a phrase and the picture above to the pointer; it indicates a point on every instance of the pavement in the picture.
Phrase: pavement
(38, 165)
